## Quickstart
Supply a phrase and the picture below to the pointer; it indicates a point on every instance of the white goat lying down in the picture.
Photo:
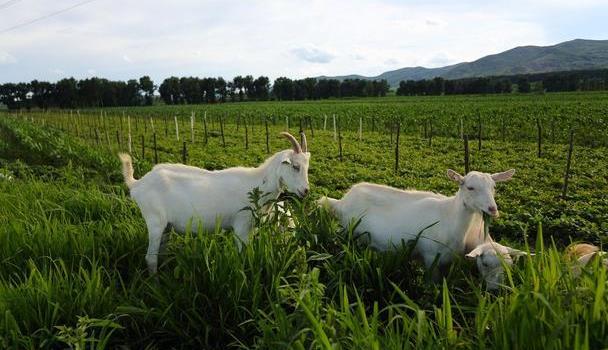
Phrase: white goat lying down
(488, 256)
(582, 254)
(392, 215)
(175, 194)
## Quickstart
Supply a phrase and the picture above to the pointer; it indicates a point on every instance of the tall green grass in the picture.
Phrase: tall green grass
(72, 274)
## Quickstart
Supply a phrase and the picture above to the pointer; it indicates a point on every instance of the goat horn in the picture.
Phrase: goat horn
(294, 143)
(303, 142)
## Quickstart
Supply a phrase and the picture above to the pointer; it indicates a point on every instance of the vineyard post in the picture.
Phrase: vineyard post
(568, 163)
(540, 136)
(397, 147)
(339, 139)
(166, 127)
(129, 130)
(103, 124)
(222, 131)
(143, 147)
(267, 136)
(479, 131)
(145, 126)
(155, 151)
(301, 126)
(360, 128)
(430, 132)
(312, 131)
(152, 124)
(466, 154)
(246, 134)
(286, 123)
(108, 139)
(424, 125)
(461, 129)
(122, 116)
(184, 152)
(75, 122)
(205, 127)
(325, 122)
(176, 128)
(334, 127)
(192, 127)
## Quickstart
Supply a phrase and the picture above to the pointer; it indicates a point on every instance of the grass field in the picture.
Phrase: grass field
(72, 242)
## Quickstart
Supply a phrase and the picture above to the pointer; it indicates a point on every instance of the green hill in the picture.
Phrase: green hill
(570, 55)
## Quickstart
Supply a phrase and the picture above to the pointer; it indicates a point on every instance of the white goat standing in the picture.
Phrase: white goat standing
(392, 215)
(176, 194)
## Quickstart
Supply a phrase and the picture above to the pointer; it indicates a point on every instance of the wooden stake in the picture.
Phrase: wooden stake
(466, 154)
(568, 163)
(397, 148)
(267, 135)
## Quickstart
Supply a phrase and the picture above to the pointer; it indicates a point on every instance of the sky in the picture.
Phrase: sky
(125, 39)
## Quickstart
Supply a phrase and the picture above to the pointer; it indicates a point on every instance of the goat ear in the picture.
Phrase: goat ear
(504, 176)
(454, 176)
(474, 253)
(516, 252)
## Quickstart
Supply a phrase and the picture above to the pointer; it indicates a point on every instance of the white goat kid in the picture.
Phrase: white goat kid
(175, 195)
(489, 257)
(581, 254)
(392, 215)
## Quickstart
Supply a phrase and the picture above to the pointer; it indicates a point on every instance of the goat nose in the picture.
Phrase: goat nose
(492, 209)
(305, 192)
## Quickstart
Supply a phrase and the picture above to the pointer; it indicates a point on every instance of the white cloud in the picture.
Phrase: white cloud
(312, 54)
(7, 58)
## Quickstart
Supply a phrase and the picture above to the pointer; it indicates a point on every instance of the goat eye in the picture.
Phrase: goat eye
(471, 188)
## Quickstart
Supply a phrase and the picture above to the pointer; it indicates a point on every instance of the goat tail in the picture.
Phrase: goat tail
(329, 203)
(127, 169)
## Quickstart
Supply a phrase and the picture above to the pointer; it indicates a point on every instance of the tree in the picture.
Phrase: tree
(66, 93)
(170, 90)
(221, 88)
(190, 89)
(249, 88)
(239, 85)
(261, 88)
(283, 89)
(147, 87)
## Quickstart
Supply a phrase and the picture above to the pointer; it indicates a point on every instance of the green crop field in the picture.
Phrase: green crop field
(72, 242)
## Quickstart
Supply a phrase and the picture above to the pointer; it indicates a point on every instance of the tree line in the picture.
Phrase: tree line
(72, 93)
(98, 92)
(313, 88)
(193, 90)
(581, 80)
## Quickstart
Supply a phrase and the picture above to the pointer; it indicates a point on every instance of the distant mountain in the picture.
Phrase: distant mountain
(570, 55)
